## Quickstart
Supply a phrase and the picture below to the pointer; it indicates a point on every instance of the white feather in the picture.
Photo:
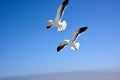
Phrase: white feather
(63, 25)
(75, 47)
(57, 21)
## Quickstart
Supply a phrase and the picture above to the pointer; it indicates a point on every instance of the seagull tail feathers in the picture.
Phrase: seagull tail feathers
(77, 45)
(49, 24)
(63, 26)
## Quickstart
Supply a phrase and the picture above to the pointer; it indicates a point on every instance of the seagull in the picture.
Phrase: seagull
(74, 45)
(57, 21)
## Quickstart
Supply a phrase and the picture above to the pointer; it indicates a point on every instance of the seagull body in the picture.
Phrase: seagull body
(74, 45)
(57, 22)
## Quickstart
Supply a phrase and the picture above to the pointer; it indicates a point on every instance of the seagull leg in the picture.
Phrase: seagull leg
(61, 28)
(75, 47)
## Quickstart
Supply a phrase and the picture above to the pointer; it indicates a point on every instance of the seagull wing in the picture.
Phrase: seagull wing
(61, 46)
(60, 10)
(78, 32)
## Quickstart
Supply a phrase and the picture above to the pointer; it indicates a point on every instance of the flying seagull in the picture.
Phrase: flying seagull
(57, 21)
(71, 42)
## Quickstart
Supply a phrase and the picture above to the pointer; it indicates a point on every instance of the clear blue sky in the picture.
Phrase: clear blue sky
(27, 47)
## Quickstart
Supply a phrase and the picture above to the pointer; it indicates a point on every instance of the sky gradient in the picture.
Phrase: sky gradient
(27, 47)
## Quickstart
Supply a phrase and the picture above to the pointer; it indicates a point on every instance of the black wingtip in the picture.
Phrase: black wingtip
(65, 2)
(84, 28)
(48, 27)
(58, 49)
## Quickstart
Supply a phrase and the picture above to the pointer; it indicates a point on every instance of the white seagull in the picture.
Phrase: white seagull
(71, 42)
(57, 22)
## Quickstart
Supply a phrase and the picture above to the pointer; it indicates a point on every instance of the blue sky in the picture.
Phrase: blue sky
(27, 47)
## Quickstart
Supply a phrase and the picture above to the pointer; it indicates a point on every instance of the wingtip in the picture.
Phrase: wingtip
(48, 27)
(66, 2)
(58, 49)
(85, 27)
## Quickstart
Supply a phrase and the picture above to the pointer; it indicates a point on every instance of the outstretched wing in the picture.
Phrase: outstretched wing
(60, 10)
(78, 32)
(61, 46)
